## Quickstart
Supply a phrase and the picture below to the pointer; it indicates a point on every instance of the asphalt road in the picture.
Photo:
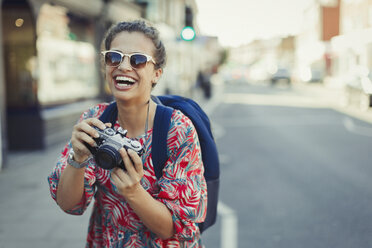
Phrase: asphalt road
(295, 172)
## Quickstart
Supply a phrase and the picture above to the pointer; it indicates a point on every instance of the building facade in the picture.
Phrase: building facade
(352, 49)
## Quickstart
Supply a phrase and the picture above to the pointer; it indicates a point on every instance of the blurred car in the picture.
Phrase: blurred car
(358, 90)
(310, 75)
(281, 74)
(317, 75)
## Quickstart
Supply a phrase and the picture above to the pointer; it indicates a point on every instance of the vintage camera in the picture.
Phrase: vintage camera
(106, 153)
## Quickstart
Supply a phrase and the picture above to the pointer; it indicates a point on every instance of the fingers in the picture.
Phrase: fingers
(127, 182)
(83, 133)
(119, 177)
(88, 125)
(132, 163)
(137, 161)
(124, 183)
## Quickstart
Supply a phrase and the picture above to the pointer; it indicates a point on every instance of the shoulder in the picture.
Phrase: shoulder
(180, 126)
(179, 120)
(95, 111)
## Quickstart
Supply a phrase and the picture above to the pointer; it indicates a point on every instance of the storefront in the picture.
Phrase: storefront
(21, 108)
(49, 58)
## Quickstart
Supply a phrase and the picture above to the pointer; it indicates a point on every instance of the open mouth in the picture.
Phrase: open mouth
(123, 81)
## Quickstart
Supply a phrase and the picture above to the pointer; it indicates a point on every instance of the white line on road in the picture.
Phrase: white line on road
(229, 220)
(229, 226)
(351, 127)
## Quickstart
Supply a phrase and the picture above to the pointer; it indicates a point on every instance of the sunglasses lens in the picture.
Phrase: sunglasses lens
(138, 60)
(113, 58)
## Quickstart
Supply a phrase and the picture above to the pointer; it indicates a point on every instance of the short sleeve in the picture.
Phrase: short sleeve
(182, 187)
(89, 177)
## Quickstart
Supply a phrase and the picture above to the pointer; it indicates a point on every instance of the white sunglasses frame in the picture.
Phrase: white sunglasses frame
(123, 55)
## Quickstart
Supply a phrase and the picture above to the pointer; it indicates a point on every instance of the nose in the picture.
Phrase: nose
(125, 64)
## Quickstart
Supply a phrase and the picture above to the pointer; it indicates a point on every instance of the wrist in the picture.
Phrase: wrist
(79, 163)
(79, 159)
(134, 193)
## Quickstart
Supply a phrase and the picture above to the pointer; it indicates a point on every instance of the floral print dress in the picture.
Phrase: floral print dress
(182, 188)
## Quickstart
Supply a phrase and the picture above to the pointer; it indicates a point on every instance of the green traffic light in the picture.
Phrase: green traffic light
(188, 33)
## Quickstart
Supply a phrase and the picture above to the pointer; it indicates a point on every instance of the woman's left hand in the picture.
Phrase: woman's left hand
(128, 182)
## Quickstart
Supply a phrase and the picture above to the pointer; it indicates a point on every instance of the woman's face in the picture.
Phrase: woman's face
(128, 84)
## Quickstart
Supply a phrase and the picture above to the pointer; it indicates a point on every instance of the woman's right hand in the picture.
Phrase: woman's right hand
(82, 133)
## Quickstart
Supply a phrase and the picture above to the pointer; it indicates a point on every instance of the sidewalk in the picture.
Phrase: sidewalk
(28, 215)
(331, 95)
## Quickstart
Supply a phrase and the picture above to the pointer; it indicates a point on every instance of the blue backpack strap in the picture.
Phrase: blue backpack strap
(208, 148)
(159, 149)
(202, 124)
(110, 114)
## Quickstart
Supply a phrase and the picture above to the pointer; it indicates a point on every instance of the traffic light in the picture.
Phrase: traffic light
(188, 32)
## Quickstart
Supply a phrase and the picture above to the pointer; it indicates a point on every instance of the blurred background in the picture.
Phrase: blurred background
(286, 83)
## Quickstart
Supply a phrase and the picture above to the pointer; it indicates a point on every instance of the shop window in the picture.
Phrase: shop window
(66, 56)
(19, 53)
(24, 128)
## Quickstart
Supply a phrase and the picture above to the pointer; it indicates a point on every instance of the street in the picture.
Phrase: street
(286, 84)
(295, 176)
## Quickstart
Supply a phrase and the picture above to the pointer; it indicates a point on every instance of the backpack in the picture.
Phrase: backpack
(164, 110)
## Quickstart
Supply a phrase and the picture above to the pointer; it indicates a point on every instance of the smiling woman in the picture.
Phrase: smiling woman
(128, 57)
(133, 207)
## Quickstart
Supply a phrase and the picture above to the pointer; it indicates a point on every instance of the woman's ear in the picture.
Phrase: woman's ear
(157, 74)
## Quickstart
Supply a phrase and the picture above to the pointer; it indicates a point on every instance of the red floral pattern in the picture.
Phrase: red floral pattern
(182, 188)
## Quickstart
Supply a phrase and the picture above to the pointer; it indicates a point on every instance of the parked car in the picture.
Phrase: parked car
(310, 75)
(317, 75)
(281, 74)
(358, 90)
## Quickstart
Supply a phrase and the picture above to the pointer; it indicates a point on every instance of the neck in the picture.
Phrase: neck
(133, 118)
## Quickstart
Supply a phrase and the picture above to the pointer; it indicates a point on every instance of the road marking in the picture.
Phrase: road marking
(229, 220)
(229, 226)
(363, 116)
(351, 127)
(274, 100)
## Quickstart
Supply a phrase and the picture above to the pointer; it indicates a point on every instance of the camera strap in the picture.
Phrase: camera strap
(146, 130)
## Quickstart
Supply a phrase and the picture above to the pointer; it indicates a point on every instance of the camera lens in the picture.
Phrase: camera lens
(107, 157)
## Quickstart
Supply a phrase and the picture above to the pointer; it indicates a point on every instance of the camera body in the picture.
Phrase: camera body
(106, 153)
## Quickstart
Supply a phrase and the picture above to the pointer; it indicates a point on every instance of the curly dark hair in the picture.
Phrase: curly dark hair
(142, 27)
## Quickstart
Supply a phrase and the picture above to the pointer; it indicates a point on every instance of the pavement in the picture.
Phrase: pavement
(30, 218)
(331, 95)
(28, 215)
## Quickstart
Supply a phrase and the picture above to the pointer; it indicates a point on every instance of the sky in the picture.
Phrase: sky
(237, 22)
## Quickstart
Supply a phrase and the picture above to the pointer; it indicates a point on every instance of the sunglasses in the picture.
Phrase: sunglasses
(137, 60)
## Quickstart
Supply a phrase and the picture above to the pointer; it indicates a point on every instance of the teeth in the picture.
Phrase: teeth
(124, 78)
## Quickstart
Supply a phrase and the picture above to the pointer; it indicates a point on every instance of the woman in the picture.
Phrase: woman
(132, 208)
